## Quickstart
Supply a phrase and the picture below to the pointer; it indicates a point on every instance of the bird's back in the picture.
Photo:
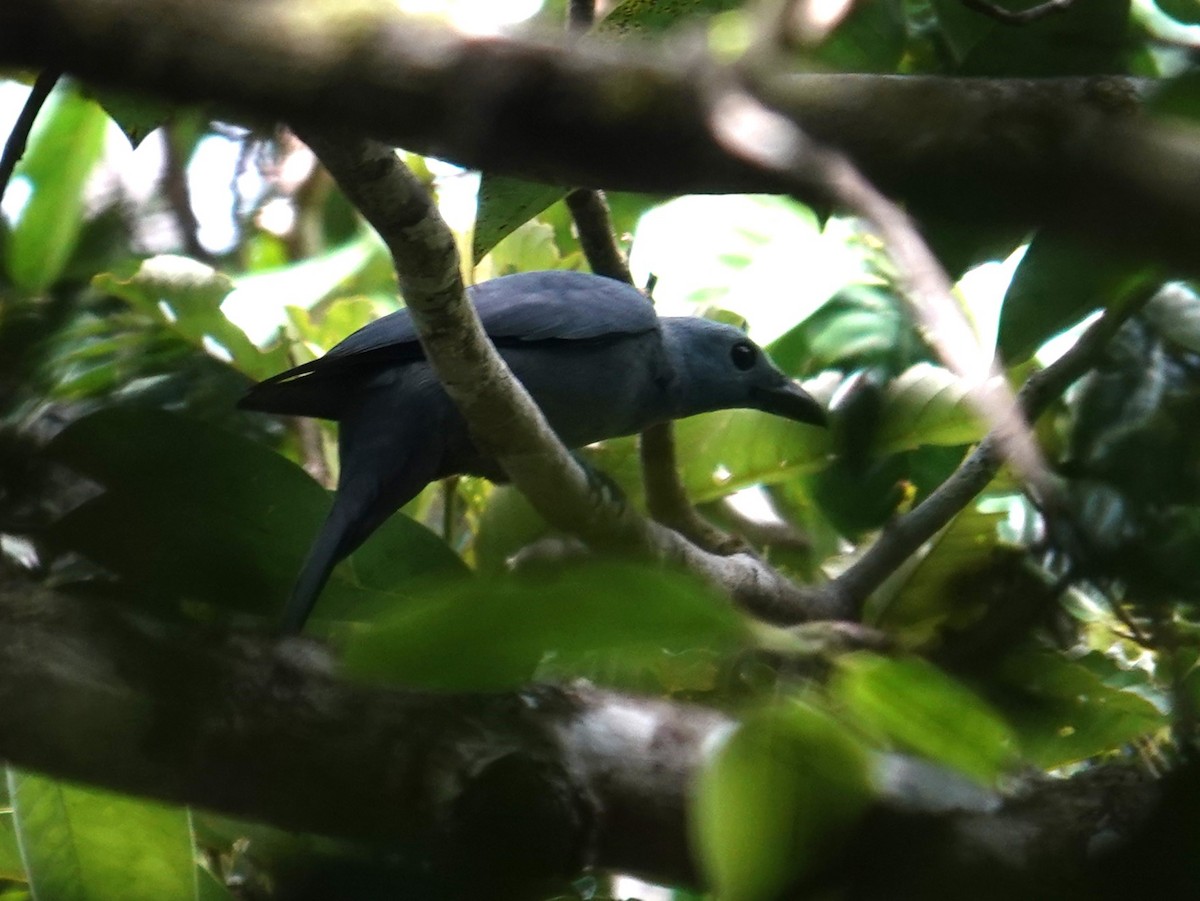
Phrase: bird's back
(522, 310)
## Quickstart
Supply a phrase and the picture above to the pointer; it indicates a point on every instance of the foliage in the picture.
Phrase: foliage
(126, 464)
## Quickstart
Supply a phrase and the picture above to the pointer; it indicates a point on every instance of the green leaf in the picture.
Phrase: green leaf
(777, 799)
(1082, 39)
(926, 405)
(531, 247)
(1067, 711)
(922, 598)
(359, 266)
(62, 152)
(741, 253)
(11, 866)
(504, 205)
(922, 709)
(192, 512)
(1058, 282)
(861, 327)
(1186, 11)
(137, 116)
(1179, 96)
(870, 39)
(83, 843)
(494, 635)
(186, 296)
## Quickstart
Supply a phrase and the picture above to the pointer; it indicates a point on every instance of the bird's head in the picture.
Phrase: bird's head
(717, 367)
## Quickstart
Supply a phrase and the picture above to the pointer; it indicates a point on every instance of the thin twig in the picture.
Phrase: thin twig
(14, 147)
(175, 189)
(593, 221)
(747, 127)
(905, 535)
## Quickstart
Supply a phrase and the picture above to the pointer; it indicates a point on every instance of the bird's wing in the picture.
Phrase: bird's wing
(528, 306)
(521, 308)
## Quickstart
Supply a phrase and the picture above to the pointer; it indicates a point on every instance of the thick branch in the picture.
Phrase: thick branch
(480, 788)
(1063, 151)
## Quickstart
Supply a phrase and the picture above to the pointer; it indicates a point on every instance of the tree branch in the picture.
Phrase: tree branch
(557, 779)
(904, 536)
(624, 115)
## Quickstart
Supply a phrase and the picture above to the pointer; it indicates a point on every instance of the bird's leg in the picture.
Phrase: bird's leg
(666, 500)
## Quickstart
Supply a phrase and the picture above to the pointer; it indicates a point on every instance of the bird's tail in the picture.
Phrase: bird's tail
(382, 468)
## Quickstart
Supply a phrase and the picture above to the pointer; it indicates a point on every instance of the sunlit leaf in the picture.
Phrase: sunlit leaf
(86, 844)
(926, 405)
(11, 866)
(528, 248)
(922, 709)
(504, 205)
(656, 15)
(62, 152)
(186, 296)
(776, 800)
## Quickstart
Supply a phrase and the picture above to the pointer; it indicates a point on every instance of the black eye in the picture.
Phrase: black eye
(743, 355)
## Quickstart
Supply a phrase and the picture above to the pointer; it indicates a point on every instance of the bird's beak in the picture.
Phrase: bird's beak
(790, 401)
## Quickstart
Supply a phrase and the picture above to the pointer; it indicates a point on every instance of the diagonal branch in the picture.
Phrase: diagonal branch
(503, 419)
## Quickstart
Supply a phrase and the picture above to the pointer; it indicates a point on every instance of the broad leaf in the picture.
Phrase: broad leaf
(83, 843)
(495, 634)
(776, 800)
(1058, 282)
(194, 512)
(62, 152)
(1066, 711)
(505, 204)
(921, 709)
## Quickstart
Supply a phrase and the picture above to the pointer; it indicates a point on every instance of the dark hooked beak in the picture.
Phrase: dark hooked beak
(790, 401)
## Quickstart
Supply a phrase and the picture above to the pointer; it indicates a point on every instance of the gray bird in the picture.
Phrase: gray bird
(590, 350)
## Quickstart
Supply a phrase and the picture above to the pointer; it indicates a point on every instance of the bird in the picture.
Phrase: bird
(591, 351)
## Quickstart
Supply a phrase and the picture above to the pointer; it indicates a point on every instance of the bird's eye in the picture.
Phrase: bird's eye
(743, 355)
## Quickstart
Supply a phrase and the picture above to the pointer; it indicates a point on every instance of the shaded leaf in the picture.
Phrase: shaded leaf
(191, 511)
(1057, 283)
(926, 405)
(494, 635)
(921, 598)
(1065, 711)
(136, 116)
(922, 709)
(1187, 11)
(870, 39)
(505, 204)
(776, 800)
